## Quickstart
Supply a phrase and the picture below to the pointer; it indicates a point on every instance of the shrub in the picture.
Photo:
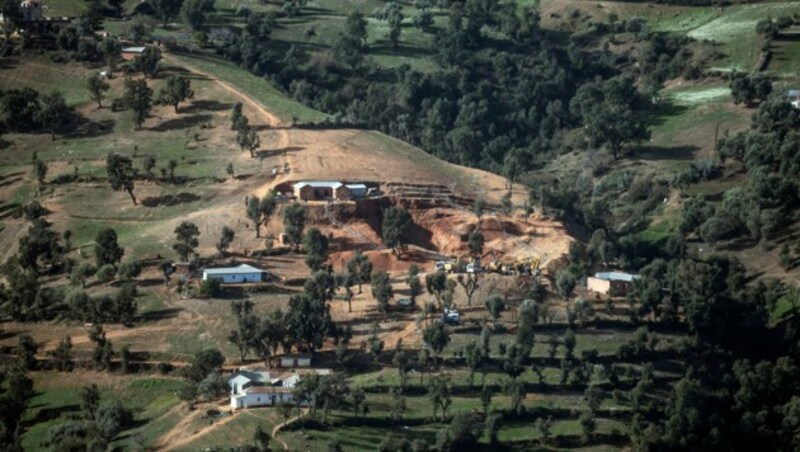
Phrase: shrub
(130, 269)
(106, 273)
(210, 288)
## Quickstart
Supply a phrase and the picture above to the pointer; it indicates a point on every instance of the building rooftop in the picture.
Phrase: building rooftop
(135, 49)
(268, 390)
(243, 268)
(356, 186)
(319, 184)
(616, 276)
(252, 376)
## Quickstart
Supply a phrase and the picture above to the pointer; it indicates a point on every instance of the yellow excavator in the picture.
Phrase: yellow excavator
(528, 265)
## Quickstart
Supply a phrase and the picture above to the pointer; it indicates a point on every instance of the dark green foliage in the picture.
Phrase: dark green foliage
(186, 239)
(308, 322)
(436, 337)
(54, 113)
(245, 336)
(121, 174)
(382, 290)
(177, 90)
(294, 221)
(210, 288)
(359, 267)
(139, 98)
(165, 9)
(62, 355)
(195, 12)
(394, 230)
(97, 86)
(106, 248)
(26, 351)
(225, 239)
(462, 433)
(16, 389)
(747, 88)
(611, 113)
(475, 242)
(316, 245)
(203, 363)
(495, 305)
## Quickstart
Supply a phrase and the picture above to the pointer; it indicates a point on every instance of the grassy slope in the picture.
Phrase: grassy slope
(58, 397)
(732, 27)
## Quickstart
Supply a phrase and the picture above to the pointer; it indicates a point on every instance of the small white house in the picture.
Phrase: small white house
(296, 360)
(244, 379)
(264, 396)
(261, 388)
(243, 273)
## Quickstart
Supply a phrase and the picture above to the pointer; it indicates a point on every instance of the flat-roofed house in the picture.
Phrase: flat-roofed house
(615, 283)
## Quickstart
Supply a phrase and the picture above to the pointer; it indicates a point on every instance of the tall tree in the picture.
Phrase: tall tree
(382, 290)
(97, 86)
(245, 336)
(316, 246)
(294, 221)
(436, 337)
(139, 98)
(106, 248)
(177, 90)
(396, 224)
(121, 174)
(186, 239)
(195, 12)
(360, 268)
(111, 50)
(148, 62)
(610, 113)
(166, 10)
(225, 240)
(54, 112)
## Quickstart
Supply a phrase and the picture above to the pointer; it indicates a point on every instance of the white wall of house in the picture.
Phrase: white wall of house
(293, 361)
(237, 383)
(258, 399)
(234, 278)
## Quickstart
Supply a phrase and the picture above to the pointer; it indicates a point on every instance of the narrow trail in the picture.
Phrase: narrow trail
(172, 439)
(280, 426)
(267, 116)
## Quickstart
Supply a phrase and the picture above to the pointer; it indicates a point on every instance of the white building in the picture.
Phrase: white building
(263, 396)
(232, 275)
(296, 360)
(261, 388)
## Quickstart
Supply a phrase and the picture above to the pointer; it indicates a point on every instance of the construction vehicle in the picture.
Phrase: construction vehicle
(528, 265)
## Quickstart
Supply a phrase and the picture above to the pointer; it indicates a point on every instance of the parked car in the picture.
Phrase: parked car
(405, 302)
(451, 317)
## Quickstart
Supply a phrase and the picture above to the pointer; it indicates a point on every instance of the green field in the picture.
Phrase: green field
(58, 397)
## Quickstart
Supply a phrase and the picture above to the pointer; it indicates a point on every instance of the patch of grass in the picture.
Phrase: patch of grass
(255, 87)
(699, 95)
(735, 30)
(237, 431)
(58, 397)
(41, 74)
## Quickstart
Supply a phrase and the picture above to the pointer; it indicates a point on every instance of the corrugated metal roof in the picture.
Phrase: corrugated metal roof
(243, 268)
(616, 276)
(356, 186)
(319, 184)
(137, 49)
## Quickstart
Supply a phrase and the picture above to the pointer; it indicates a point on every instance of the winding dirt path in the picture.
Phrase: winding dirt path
(280, 426)
(177, 437)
